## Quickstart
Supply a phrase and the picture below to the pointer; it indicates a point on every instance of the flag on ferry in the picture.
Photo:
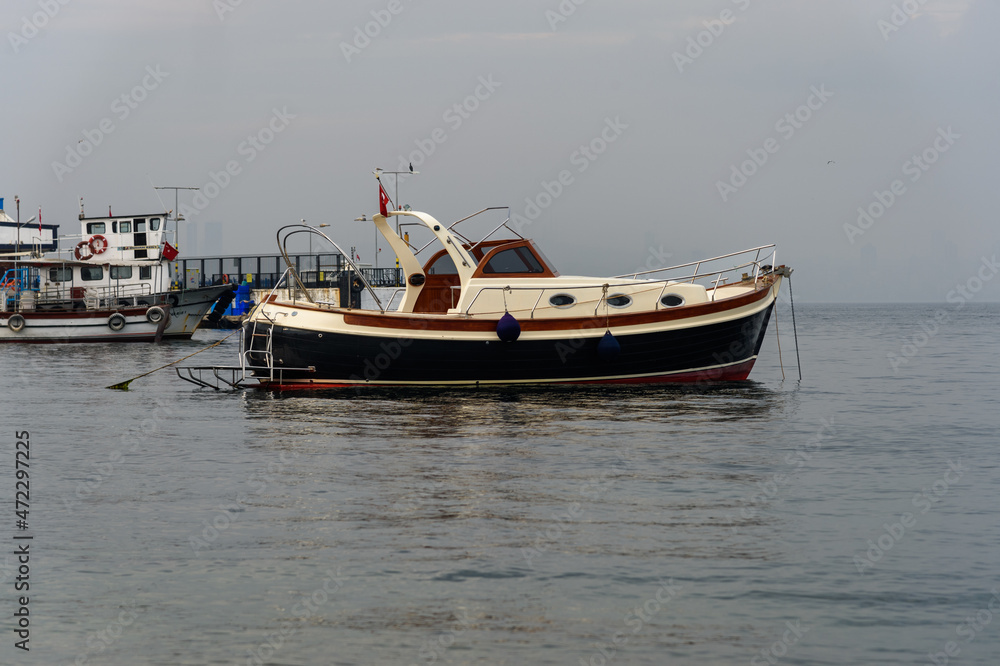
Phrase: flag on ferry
(383, 199)
(39, 220)
(169, 252)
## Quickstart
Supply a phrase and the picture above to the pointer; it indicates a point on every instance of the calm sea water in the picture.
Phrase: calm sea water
(847, 519)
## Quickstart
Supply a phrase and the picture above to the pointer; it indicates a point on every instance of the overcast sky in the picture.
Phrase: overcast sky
(678, 129)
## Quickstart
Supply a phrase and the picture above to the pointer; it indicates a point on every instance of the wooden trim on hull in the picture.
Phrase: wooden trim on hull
(450, 323)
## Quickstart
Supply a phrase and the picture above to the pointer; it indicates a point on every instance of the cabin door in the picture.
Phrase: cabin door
(139, 240)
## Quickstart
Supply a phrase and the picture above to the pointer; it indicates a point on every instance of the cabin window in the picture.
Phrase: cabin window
(444, 265)
(562, 300)
(91, 273)
(114, 227)
(513, 260)
(60, 275)
(121, 272)
(96, 228)
(145, 272)
(154, 224)
(140, 226)
(672, 300)
(619, 301)
(125, 227)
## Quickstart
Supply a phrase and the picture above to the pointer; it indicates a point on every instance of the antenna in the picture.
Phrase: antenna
(178, 218)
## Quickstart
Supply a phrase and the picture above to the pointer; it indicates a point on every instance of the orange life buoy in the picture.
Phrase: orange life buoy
(83, 251)
(98, 244)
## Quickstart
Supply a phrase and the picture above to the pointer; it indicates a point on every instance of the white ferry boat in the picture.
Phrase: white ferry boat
(113, 282)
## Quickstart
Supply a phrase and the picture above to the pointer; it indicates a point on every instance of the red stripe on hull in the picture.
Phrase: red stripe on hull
(731, 373)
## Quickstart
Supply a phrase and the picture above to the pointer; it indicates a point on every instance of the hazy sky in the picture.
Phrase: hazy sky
(678, 129)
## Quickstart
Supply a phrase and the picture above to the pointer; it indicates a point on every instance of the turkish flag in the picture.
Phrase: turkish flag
(169, 252)
(383, 199)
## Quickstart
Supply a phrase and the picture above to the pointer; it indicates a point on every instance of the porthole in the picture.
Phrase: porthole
(672, 300)
(562, 301)
(619, 301)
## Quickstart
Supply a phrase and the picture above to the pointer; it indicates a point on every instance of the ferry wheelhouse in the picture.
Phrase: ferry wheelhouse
(113, 282)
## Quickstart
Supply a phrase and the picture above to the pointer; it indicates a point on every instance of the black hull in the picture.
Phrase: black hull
(714, 352)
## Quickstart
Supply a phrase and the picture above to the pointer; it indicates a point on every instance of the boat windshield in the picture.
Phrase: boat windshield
(513, 260)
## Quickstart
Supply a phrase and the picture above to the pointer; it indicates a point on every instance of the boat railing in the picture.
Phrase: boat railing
(451, 228)
(756, 262)
(721, 277)
(283, 236)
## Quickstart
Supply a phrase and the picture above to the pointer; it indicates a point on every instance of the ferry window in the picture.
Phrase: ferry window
(443, 266)
(514, 260)
(114, 227)
(60, 275)
(96, 228)
(145, 272)
(91, 273)
(121, 272)
(140, 226)
(154, 224)
(125, 228)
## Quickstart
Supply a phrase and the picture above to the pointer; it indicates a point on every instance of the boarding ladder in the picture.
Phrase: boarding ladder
(252, 351)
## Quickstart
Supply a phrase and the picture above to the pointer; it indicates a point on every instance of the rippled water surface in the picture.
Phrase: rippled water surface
(849, 518)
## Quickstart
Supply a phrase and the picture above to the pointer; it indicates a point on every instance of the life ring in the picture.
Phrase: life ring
(79, 251)
(116, 322)
(155, 314)
(98, 244)
(357, 286)
(15, 323)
